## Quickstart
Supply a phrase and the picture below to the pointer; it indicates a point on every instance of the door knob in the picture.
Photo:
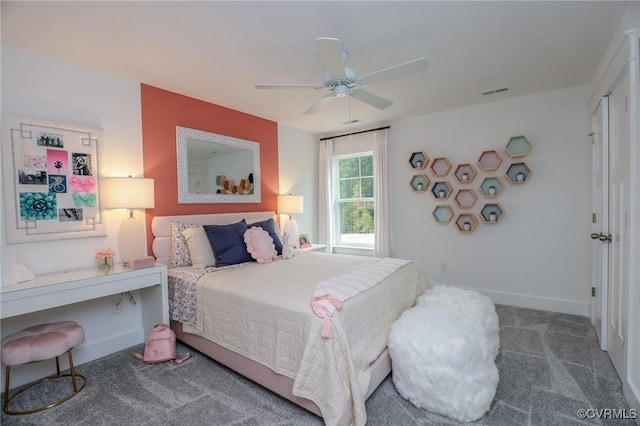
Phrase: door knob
(603, 237)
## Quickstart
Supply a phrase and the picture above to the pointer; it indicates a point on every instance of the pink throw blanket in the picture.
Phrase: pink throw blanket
(329, 295)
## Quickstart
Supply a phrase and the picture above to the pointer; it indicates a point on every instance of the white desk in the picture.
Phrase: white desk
(65, 288)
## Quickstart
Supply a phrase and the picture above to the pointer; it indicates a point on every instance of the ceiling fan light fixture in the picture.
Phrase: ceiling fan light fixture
(341, 91)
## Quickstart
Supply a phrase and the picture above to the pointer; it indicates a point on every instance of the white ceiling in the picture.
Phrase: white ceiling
(217, 51)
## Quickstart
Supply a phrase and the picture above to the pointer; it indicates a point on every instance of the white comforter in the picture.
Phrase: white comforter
(264, 313)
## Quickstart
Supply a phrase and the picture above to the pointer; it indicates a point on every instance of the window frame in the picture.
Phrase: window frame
(337, 200)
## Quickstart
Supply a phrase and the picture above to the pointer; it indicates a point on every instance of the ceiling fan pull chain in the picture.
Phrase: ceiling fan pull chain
(349, 103)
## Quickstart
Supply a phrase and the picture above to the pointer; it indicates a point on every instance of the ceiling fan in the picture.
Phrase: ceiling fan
(342, 81)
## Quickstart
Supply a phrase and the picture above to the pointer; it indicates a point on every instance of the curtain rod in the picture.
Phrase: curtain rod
(356, 133)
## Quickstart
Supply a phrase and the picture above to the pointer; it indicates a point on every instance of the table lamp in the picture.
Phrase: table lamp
(290, 204)
(129, 193)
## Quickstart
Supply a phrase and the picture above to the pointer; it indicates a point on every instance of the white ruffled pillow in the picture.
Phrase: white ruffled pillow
(199, 247)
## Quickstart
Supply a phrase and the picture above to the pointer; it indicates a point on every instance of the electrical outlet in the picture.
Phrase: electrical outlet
(116, 306)
(444, 267)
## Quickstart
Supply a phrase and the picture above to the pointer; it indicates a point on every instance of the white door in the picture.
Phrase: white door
(618, 224)
(600, 220)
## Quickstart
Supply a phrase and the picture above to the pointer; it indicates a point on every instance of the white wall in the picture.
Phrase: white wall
(538, 255)
(298, 170)
(41, 87)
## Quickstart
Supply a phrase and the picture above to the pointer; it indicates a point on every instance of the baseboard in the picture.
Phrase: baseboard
(27, 373)
(632, 393)
(536, 302)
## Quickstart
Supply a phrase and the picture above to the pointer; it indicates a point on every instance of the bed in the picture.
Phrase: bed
(259, 319)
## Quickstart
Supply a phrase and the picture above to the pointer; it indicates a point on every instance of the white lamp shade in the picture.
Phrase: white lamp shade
(128, 193)
(290, 204)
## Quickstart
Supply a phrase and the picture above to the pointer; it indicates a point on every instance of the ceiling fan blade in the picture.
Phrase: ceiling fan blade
(371, 99)
(400, 70)
(288, 86)
(319, 104)
(331, 54)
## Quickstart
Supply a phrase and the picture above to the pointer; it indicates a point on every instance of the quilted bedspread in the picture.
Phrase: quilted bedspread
(264, 312)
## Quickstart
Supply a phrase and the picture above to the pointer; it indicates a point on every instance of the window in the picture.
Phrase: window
(354, 200)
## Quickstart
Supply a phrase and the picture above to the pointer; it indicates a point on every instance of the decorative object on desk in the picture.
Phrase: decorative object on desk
(104, 259)
(130, 193)
(290, 204)
(287, 250)
(304, 241)
(142, 262)
(51, 171)
(21, 273)
(15, 272)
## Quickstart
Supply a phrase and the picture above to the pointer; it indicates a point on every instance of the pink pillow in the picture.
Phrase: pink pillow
(260, 245)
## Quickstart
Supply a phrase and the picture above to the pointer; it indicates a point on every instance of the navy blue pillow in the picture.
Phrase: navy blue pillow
(228, 243)
(269, 225)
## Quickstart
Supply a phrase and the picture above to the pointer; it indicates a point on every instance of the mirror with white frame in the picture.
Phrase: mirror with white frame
(214, 168)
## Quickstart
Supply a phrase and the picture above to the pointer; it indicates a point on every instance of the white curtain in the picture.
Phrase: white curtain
(325, 191)
(381, 194)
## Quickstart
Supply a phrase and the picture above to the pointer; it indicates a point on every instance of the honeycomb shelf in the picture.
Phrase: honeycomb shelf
(466, 198)
(489, 160)
(465, 173)
(440, 166)
(442, 214)
(518, 173)
(518, 146)
(418, 160)
(492, 213)
(419, 183)
(466, 222)
(441, 190)
(491, 187)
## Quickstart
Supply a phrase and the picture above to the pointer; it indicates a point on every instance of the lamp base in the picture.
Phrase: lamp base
(291, 229)
(132, 242)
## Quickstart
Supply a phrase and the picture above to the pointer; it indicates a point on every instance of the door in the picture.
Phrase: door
(195, 180)
(600, 220)
(619, 179)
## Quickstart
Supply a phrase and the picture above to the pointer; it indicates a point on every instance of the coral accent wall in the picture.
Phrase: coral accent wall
(162, 111)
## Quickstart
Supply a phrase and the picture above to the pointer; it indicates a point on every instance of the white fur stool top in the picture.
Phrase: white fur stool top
(443, 352)
(41, 342)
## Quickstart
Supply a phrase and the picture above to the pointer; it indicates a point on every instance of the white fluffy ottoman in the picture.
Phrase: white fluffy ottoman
(474, 305)
(443, 359)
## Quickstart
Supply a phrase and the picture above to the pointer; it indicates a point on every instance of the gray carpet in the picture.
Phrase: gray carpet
(550, 366)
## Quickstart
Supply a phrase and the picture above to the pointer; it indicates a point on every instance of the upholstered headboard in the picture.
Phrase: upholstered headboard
(161, 227)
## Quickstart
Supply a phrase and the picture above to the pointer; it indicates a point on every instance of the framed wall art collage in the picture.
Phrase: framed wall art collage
(51, 180)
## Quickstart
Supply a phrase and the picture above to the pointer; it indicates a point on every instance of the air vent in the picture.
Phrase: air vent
(494, 91)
